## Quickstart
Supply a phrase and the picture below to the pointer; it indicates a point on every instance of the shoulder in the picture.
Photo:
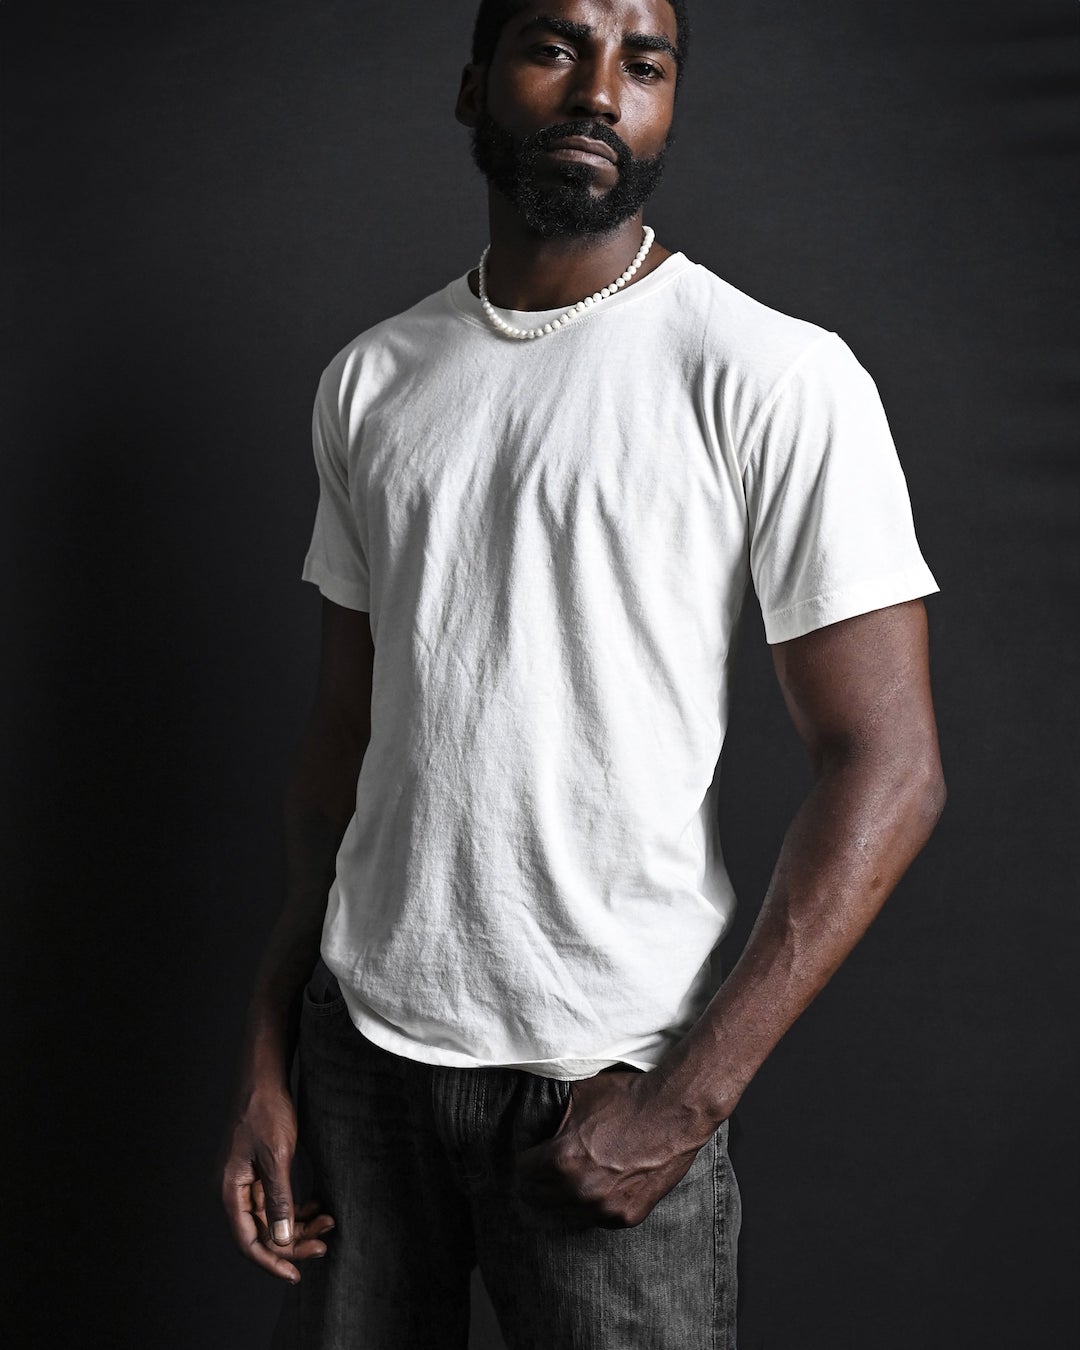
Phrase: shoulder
(739, 331)
(762, 363)
(400, 341)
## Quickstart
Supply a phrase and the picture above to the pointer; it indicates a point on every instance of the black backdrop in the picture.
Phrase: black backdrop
(203, 202)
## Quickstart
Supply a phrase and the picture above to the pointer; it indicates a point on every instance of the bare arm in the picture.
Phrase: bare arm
(859, 695)
(320, 801)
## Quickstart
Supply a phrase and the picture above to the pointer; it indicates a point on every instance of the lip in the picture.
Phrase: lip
(585, 144)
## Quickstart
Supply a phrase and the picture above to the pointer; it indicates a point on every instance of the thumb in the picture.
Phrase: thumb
(277, 1190)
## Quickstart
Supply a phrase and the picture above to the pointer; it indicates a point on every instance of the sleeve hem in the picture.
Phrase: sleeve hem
(350, 594)
(794, 621)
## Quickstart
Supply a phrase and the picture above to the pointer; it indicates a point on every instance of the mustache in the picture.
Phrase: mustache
(540, 140)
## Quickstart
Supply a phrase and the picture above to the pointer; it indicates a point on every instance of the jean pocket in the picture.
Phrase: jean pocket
(322, 994)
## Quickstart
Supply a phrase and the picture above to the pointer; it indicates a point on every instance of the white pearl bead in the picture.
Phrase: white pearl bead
(527, 334)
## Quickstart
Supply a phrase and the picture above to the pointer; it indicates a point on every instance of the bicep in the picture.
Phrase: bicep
(861, 685)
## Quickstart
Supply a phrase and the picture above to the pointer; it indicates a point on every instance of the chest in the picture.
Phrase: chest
(553, 445)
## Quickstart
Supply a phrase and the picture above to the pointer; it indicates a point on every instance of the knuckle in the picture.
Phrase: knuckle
(612, 1214)
(591, 1193)
(231, 1174)
(278, 1206)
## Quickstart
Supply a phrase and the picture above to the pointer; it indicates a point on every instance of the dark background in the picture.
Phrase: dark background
(202, 203)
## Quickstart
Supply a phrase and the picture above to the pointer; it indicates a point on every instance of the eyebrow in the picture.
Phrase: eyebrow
(579, 32)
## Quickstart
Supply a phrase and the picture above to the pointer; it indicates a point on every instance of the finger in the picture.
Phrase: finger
(308, 1249)
(308, 1240)
(274, 1165)
(311, 1220)
(238, 1196)
(306, 1243)
(250, 1234)
(310, 1211)
(309, 1233)
(256, 1249)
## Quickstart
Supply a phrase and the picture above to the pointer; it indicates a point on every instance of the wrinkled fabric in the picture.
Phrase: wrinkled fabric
(553, 540)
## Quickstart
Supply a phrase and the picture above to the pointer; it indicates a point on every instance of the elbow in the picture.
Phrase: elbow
(927, 791)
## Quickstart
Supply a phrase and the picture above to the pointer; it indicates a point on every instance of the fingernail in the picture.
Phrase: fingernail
(281, 1232)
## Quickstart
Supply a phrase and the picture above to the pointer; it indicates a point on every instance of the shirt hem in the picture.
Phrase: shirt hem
(350, 594)
(380, 1033)
(833, 606)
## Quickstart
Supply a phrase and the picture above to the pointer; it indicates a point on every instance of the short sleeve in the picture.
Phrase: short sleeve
(831, 531)
(337, 558)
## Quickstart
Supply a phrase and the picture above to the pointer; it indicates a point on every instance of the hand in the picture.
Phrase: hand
(615, 1155)
(257, 1193)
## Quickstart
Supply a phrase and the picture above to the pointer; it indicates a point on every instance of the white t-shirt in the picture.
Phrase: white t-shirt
(553, 540)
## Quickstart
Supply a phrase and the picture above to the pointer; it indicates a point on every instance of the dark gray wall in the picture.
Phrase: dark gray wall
(203, 202)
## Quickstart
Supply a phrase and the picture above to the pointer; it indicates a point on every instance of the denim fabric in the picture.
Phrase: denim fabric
(415, 1162)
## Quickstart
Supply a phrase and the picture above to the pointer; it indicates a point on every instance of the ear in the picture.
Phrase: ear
(470, 99)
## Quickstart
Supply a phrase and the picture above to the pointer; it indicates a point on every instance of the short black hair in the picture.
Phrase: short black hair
(493, 15)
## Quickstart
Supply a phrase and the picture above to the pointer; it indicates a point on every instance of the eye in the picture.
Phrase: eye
(647, 69)
(550, 49)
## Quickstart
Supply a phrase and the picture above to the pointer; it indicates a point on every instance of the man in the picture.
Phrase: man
(544, 492)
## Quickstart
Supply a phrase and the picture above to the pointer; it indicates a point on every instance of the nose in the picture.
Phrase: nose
(594, 91)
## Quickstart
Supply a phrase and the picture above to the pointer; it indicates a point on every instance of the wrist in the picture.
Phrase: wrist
(694, 1092)
(703, 1077)
(265, 1083)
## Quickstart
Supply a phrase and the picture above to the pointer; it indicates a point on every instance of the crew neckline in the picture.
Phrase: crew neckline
(469, 307)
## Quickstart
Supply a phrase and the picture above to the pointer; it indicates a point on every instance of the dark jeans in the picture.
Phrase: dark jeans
(415, 1162)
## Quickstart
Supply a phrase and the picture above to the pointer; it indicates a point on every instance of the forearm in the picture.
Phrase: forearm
(855, 835)
(859, 695)
(319, 804)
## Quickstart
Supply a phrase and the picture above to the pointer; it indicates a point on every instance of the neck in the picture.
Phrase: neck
(527, 272)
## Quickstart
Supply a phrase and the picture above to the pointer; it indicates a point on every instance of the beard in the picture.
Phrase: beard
(567, 206)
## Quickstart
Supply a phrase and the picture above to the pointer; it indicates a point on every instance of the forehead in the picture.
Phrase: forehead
(605, 17)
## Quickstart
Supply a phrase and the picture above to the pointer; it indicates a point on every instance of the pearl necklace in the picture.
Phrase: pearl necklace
(508, 330)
